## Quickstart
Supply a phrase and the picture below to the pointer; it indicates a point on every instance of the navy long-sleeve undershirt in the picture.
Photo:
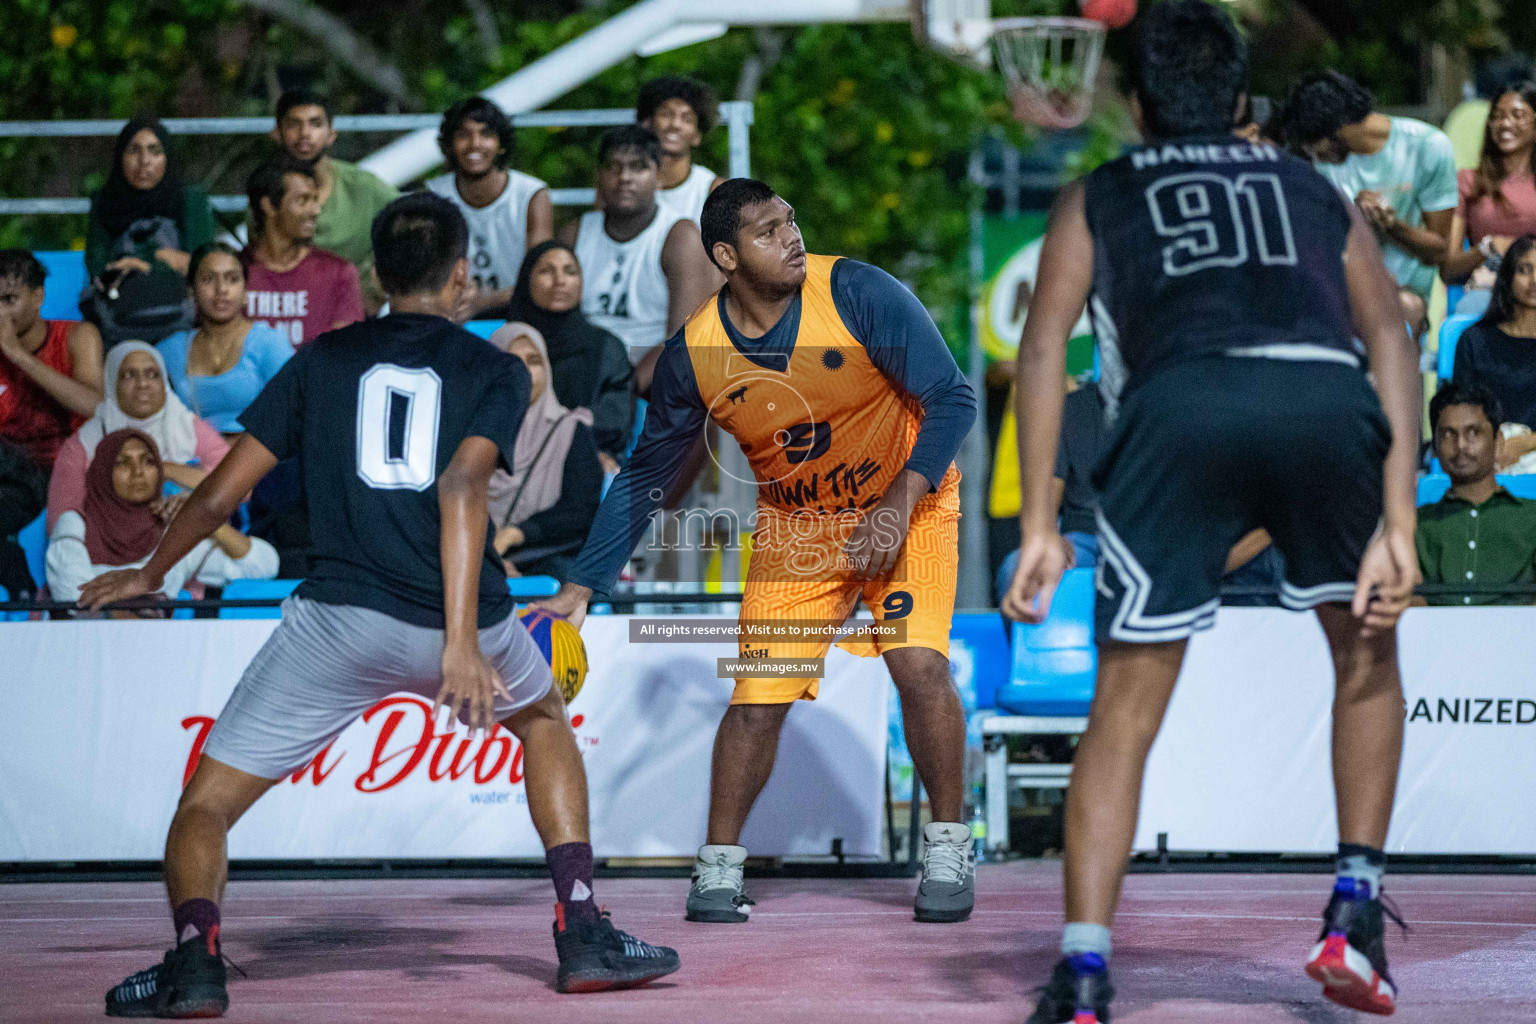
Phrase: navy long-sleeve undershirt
(902, 342)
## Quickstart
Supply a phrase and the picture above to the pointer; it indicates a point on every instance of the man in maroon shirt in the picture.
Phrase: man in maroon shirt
(50, 370)
(300, 290)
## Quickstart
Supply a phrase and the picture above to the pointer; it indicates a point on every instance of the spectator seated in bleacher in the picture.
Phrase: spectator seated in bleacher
(143, 225)
(1253, 561)
(138, 398)
(292, 284)
(588, 366)
(217, 369)
(120, 521)
(50, 370)
(544, 508)
(1479, 533)
(506, 210)
(350, 197)
(1400, 172)
(644, 266)
(1498, 353)
(1498, 199)
(680, 111)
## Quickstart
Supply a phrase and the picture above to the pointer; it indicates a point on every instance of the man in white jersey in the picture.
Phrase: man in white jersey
(643, 267)
(507, 211)
(681, 111)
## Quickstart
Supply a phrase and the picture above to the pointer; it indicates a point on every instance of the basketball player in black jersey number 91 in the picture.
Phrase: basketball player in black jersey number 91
(398, 424)
(1227, 282)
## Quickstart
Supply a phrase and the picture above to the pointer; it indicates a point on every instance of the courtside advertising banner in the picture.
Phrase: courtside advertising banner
(1243, 762)
(106, 719)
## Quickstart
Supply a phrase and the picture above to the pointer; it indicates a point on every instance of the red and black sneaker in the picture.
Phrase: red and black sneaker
(188, 983)
(596, 957)
(1350, 958)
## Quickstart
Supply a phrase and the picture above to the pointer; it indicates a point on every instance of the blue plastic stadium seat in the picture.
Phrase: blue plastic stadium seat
(66, 280)
(33, 539)
(529, 588)
(252, 590)
(1054, 663)
(484, 328)
(1521, 485)
(1450, 334)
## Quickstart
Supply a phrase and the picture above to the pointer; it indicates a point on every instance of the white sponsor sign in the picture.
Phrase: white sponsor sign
(1243, 761)
(106, 717)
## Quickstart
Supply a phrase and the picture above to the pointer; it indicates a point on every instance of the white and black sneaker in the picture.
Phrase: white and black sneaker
(718, 894)
(597, 957)
(188, 983)
(947, 890)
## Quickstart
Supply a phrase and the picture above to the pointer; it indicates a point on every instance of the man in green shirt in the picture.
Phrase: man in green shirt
(350, 197)
(1479, 533)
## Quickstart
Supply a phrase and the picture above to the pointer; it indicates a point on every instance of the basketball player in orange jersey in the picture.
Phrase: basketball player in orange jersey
(850, 410)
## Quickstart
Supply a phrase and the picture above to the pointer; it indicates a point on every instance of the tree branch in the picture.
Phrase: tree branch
(354, 52)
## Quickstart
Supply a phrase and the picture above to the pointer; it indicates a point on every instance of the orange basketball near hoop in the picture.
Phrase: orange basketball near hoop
(1113, 13)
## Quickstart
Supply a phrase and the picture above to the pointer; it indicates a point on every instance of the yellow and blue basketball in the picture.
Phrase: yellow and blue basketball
(561, 645)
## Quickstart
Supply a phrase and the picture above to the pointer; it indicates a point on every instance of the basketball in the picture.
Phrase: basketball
(561, 645)
(1113, 13)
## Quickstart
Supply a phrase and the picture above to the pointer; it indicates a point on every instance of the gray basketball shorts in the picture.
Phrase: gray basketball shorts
(326, 664)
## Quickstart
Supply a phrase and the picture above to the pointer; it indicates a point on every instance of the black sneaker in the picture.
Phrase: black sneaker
(1078, 993)
(1350, 958)
(188, 983)
(595, 956)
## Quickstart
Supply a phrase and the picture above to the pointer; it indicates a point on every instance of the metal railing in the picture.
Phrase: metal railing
(736, 116)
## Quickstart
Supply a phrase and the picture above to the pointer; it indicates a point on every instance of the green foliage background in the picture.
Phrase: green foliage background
(865, 132)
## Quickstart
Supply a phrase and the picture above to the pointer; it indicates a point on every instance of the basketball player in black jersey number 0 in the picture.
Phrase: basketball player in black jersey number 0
(1227, 282)
(398, 424)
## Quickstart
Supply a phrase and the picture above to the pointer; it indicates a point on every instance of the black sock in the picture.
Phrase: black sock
(570, 866)
(200, 915)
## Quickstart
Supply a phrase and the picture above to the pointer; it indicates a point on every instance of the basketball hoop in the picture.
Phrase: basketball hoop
(1051, 65)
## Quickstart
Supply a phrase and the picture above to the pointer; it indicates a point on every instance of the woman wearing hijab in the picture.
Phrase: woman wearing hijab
(145, 214)
(543, 509)
(137, 397)
(589, 366)
(120, 522)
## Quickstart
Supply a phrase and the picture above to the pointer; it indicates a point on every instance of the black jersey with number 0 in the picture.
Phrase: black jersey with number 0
(376, 411)
(1209, 244)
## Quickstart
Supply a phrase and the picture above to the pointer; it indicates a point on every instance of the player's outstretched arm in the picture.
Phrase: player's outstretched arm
(209, 507)
(1390, 568)
(462, 502)
(1066, 276)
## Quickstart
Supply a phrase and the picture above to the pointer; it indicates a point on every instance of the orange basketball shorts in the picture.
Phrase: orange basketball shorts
(800, 585)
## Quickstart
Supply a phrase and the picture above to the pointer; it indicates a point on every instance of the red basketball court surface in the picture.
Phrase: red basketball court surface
(1190, 949)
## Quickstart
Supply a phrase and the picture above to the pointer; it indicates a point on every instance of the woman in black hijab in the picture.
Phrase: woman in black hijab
(145, 215)
(588, 366)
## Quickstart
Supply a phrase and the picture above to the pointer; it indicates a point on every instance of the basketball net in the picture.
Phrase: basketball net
(1051, 65)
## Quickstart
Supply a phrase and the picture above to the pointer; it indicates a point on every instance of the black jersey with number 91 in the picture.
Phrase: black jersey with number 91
(1205, 245)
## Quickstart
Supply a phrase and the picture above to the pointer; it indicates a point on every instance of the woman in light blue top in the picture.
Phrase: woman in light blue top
(218, 368)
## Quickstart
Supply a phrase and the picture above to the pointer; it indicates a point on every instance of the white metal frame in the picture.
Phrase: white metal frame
(1002, 777)
(737, 118)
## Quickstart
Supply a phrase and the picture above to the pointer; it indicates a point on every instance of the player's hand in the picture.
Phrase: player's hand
(1042, 559)
(570, 603)
(118, 585)
(1388, 573)
(470, 683)
(874, 546)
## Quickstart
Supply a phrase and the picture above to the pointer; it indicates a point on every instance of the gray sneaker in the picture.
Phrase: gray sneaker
(717, 894)
(947, 891)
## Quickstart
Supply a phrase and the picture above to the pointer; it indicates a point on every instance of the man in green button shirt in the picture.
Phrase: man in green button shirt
(1478, 534)
(350, 197)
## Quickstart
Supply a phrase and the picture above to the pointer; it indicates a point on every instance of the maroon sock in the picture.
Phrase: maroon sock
(570, 865)
(200, 915)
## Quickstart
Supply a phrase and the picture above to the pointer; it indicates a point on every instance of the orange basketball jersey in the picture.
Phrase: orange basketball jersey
(825, 431)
